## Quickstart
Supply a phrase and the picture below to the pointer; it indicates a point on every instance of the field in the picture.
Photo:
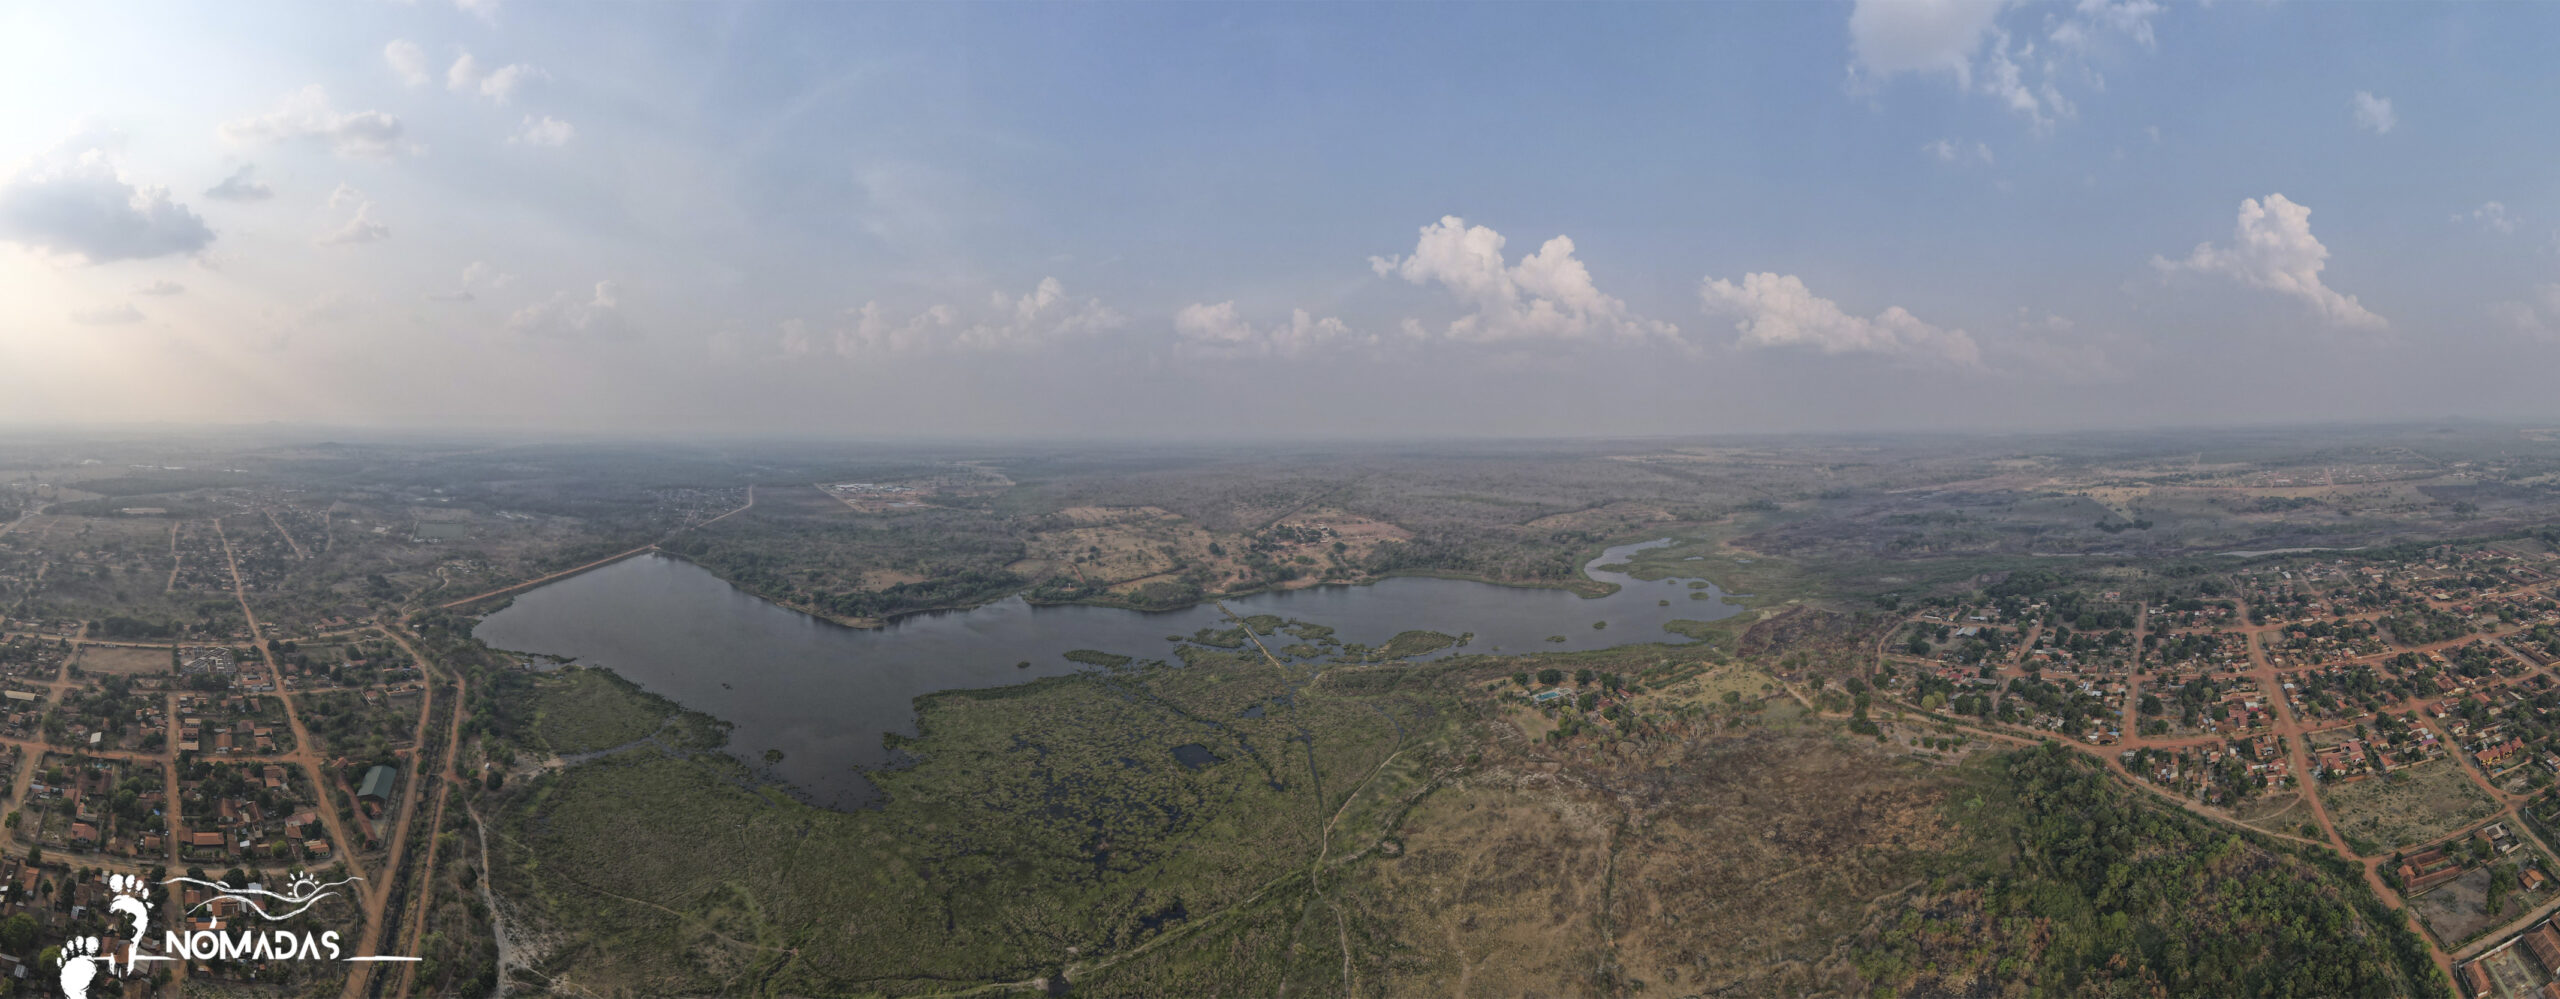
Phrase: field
(106, 659)
(1076, 811)
(585, 710)
(2419, 804)
(2278, 812)
(1227, 827)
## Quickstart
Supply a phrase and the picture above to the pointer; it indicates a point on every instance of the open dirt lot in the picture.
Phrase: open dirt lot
(103, 659)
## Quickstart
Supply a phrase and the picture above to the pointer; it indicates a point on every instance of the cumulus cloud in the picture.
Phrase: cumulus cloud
(361, 227)
(240, 187)
(2491, 215)
(466, 77)
(2092, 19)
(1965, 43)
(122, 314)
(2272, 248)
(478, 274)
(1887, 37)
(1219, 329)
(544, 131)
(74, 201)
(1951, 151)
(572, 314)
(2373, 114)
(1548, 295)
(161, 287)
(1042, 318)
(1777, 310)
(305, 116)
(1045, 316)
(2538, 318)
(408, 62)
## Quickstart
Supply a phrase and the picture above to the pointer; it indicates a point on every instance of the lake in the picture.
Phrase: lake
(825, 694)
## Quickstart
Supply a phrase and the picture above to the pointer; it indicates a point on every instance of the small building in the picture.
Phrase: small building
(378, 783)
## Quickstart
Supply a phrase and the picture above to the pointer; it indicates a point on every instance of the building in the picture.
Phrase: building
(378, 783)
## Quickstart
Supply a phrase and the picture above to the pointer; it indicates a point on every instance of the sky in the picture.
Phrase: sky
(1277, 221)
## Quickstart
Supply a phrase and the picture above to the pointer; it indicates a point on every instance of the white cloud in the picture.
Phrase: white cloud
(163, 287)
(1951, 151)
(1888, 37)
(305, 115)
(2002, 78)
(361, 227)
(2090, 19)
(1218, 329)
(73, 200)
(544, 131)
(1041, 318)
(1548, 295)
(486, 10)
(2490, 215)
(240, 187)
(478, 274)
(1777, 310)
(569, 314)
(2272, 248)
(465, 77)
(1964, 42)
(2374, 114)
(123, 314)
(2539, 318)
(408, 61)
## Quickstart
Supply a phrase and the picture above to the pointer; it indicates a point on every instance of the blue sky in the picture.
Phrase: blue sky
(1282, 220)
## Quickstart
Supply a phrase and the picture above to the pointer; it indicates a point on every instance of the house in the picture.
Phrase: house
(2545, 944)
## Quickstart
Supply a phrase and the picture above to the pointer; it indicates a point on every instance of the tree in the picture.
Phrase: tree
(17, 933)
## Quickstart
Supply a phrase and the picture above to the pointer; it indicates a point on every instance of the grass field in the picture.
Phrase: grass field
(583, 710)
(1708, 552)
(2418, 804)
(1040, 822)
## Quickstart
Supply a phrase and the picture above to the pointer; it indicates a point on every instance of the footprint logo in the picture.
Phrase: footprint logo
(130, 900)
(79, 966)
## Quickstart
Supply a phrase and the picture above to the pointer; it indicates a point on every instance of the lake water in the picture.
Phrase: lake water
(825, 694)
